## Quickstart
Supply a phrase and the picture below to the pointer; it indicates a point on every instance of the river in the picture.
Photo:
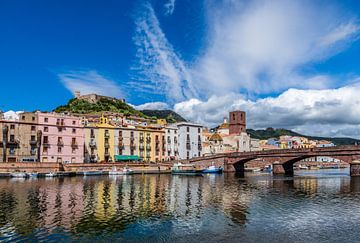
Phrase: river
(311, 206)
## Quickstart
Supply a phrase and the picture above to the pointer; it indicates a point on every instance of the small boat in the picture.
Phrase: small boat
(213, 169)
(186, 169)
(33, 175)
(267, 168)
(125, 171)
(92, 173)
(303, 167)
(50, 174)
(19, 175)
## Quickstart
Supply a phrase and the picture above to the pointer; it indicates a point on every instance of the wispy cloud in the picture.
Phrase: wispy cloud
(261, 46)
(159, 69)
(88, 82)
(169, 7)
(253, 47)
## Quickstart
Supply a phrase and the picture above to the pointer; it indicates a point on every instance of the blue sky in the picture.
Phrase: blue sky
(292, 64)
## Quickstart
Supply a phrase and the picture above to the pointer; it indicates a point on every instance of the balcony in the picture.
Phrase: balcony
(74, 144)
(92, 144)
(32, 142)
(121, 147)
(148, 147)
(141, 147)
(106, 145)
(14, 142)
(132, 147)
(60, 143)
(132, 139)
(60, 123)
(141, 139)
(120, 139)
(148, 140)
(32, 152)
(199, 147)
(107, 153)
(46, 144)
(92, 135)
(106, 134)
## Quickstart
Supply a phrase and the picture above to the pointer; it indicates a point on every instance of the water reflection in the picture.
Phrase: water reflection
(172, 208)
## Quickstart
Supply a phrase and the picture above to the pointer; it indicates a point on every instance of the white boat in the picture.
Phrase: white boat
(19, 175)
(50, 174)
(303, 167)
(125, 171)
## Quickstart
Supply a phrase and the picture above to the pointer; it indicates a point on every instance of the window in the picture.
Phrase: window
(46, 139)
(73, 150)
(131, 134)
(188, 129)
(12, 126)
(199, 130)
(33, 118)
(46, 129)
(32, 128)
(12, 138)
(73, 130)
(12, 151)
(46, 119)
(32, 138)
(74, 122)
(59, 150)
(59, 129)
(120, 133)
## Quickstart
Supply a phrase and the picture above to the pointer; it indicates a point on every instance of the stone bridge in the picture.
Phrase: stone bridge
(282, 159)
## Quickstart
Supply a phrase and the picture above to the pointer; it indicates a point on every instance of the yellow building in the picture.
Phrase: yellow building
(99, 140)
(105, 140)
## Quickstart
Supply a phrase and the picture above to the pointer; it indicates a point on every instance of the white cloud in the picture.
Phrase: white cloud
(253, 47)
(259, 46)
(88, 82)
(152, 106)
(169, 7)
(328, 112)
(160, 70)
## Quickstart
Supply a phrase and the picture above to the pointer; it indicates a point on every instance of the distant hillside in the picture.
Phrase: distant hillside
(275, 133)
(169, 115)
(82, 106)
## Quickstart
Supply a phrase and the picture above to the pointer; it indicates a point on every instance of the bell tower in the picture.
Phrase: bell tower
(237, 122)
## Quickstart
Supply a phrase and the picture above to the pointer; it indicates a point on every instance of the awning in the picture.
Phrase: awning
(126, 158)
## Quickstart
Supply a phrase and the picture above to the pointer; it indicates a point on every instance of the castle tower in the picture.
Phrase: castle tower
(77, 94)
(237, 122)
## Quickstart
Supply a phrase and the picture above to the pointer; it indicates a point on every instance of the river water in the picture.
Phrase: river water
(314, 206)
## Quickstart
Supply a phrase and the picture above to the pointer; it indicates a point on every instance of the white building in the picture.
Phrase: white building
(171, 135)
(189, 140)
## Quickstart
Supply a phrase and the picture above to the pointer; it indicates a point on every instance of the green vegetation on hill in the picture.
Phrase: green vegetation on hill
(275, 133)
(85, 107)
(169, 115)
(80, 106)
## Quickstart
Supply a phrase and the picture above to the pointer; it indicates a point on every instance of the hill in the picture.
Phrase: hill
(275, 133)
(82, 106)
(169, 115)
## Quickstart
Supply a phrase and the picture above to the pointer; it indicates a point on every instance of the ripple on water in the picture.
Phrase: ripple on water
(311, 206)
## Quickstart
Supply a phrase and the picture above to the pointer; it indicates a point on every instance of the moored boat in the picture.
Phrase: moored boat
(213, 169)
(92, 173)
(186, 169)
(19, 175)
(124, 171)
(50, 174)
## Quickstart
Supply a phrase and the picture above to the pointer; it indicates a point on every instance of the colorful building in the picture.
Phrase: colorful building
(62, 138)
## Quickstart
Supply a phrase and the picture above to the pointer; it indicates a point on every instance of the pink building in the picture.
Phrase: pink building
(62, 138)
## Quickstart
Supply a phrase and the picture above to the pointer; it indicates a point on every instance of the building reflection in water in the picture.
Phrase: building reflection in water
(94, 206)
